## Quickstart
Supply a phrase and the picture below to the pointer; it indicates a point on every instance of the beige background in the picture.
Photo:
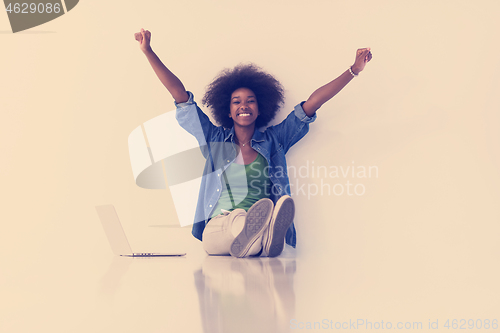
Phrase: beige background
(421, 243)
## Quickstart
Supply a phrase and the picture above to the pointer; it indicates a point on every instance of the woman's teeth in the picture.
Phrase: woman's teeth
(244, 114)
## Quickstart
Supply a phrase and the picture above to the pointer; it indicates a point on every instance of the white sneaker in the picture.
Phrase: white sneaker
(256, 221)
(273, 240)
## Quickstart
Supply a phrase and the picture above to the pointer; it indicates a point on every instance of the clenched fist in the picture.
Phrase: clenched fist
(362, 57)
(144, 39)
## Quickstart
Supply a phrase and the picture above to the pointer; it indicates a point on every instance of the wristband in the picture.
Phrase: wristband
(352, 73)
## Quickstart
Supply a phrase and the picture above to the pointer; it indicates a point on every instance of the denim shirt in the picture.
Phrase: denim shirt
(218, 147)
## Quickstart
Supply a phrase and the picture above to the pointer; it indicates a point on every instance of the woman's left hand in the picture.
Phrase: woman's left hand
(362, 57)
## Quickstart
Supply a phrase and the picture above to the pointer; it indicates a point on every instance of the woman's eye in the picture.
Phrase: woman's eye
(236, 102)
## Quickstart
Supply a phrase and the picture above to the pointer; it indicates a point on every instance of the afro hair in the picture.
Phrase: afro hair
(268, 91)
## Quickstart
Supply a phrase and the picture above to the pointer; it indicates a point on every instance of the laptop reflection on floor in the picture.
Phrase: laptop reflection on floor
(117, 238)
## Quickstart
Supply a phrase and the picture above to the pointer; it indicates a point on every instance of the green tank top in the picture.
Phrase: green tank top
(243, 185)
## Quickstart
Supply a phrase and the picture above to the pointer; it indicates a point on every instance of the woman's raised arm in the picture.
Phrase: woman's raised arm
(326, 92)
(169, 80)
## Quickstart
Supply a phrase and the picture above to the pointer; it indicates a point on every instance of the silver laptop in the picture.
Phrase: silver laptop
(117, 238)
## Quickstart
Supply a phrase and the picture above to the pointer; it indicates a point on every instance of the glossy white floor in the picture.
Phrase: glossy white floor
(95, 291)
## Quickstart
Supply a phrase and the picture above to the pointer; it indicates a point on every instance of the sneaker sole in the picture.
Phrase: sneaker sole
(258, 217)
(279, 225)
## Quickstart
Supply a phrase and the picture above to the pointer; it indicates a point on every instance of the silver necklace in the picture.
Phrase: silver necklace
(245, 142)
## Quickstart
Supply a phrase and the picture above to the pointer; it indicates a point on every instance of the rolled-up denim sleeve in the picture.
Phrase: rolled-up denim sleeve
(293, 128)
(192, 119)
(301, 114)
(190, 101)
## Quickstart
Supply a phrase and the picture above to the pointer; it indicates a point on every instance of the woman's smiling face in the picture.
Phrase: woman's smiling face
(244, 109)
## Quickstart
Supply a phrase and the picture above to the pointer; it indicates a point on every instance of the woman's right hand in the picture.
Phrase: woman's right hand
(144, 39)
(362, 58)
